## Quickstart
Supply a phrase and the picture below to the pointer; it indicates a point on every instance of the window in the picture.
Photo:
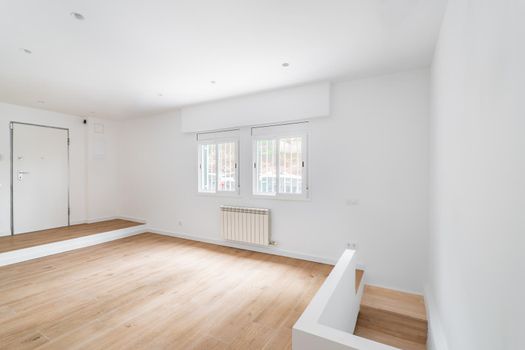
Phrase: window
(218, 166)
(279, 167)
(227, 166)
(279, 162)
(208, 168)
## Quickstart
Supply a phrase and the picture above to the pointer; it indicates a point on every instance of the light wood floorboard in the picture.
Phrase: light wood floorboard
(31, 239)
(155, 292)
(406, 304)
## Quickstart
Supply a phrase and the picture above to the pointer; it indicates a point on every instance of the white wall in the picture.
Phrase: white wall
(477, 273)
(10, 113)
(93, 188)
(373, 149)
(102, 159)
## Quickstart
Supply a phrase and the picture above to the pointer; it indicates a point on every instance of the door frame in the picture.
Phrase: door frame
(11, 134)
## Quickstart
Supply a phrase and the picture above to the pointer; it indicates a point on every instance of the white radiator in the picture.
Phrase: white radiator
(250, 225)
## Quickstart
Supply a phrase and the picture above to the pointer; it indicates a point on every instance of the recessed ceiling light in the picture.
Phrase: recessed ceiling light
(77, 15)
(285, 64)
(41, 101)
(160, 95)
(29, 52)
(213, 81)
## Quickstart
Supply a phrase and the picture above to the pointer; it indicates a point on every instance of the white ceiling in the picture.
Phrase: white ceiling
(115, 63)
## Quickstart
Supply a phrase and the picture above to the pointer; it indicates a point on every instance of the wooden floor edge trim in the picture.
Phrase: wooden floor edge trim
(40, 251)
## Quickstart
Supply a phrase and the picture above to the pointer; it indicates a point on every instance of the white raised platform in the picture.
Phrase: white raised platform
(19, 255)
(329, 320)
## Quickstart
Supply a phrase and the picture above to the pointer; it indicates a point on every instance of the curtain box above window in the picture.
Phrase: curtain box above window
(279, 106)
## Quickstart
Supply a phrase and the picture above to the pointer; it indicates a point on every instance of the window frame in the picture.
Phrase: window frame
(305, 179)
(216, 142)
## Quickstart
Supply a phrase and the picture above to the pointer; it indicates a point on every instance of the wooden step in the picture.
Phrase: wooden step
(393, 313)
(387, 339)
(358, 278)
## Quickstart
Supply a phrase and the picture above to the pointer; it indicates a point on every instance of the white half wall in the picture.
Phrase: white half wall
(477, 275)
(329, 320)
(102, 169)
(368, 180)
(283, 105)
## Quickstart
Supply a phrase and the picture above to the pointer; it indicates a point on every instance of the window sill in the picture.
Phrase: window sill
(219, 195)
(305, 198)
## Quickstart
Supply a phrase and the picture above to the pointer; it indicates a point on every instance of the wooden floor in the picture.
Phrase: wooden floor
(31, 239)
(155, 292)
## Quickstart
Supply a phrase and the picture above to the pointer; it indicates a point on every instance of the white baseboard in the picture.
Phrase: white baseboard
(130, 218)
(437, 339)
(106, 218)
(100, 219)
(260, 249)
(16, 256)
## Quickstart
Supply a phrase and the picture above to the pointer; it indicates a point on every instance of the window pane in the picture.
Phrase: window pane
(266, 170)
(227, 161)
(208, 177)
(290, 165)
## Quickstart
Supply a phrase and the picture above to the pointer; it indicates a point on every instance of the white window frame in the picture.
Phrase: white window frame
(216, 142)
(305, 183)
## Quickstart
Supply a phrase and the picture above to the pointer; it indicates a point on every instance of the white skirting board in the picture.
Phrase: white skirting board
(436, 334)
(107, 218)
(29, 253)
(260, 249)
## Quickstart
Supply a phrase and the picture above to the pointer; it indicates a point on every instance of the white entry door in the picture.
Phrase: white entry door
(40, 177)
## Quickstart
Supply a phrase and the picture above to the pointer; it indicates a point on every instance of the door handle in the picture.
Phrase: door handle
(21, 174)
